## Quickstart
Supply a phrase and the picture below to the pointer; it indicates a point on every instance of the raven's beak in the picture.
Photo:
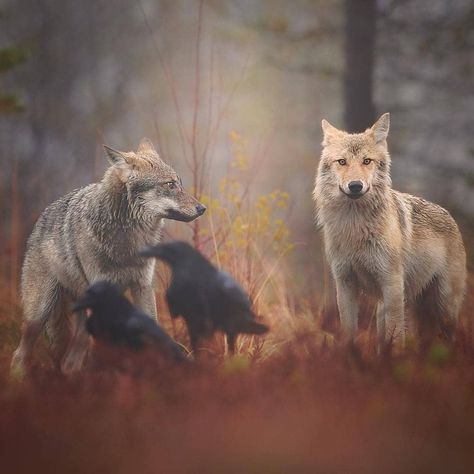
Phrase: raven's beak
(81, 305)
(150, 251)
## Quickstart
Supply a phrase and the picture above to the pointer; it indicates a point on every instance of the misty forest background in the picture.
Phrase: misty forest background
(232, 79)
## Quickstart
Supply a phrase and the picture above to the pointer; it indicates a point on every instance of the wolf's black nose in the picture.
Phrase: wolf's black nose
(200, 209)
(355, 187)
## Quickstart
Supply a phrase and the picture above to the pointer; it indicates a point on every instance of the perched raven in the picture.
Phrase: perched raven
(115, 320)
(207, 298)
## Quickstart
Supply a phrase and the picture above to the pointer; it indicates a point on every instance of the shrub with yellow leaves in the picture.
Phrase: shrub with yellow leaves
(246, 234)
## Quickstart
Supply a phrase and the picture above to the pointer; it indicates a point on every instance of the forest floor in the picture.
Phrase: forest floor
(308, 407)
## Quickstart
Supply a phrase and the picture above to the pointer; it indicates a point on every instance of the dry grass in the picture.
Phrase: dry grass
(296, 403)
(305, 409)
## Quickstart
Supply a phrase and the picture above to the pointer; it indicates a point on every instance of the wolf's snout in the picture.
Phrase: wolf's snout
(200, 209)
(355, 187)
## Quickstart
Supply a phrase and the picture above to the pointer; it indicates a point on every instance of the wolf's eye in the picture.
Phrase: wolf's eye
(367, 161)
(171, 184)
(342, 162)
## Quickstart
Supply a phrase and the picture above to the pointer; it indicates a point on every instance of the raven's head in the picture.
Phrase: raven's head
(99, 296)
(173, 253)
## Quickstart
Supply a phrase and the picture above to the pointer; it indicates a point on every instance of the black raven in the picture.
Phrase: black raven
(207, 298)
(113, 319)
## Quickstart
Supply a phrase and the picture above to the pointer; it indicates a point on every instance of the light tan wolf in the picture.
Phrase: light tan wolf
(401, 249)
(93, 234)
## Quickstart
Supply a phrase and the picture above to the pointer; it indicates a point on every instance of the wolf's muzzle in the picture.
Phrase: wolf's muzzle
(355, 190)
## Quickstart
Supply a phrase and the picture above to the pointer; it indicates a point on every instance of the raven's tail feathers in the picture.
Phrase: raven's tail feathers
(252, 327)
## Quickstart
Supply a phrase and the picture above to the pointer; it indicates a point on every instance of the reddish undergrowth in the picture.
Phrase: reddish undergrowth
(308, 408)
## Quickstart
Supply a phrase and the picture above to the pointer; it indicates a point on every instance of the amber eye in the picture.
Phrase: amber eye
(367, 161)
(342, 162)
(172, 185)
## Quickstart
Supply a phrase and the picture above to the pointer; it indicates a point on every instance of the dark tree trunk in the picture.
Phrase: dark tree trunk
(359, 50)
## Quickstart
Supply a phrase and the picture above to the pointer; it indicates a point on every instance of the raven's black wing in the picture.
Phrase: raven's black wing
(230, 294)
(186, 298)
(145, 330)
(235, 307)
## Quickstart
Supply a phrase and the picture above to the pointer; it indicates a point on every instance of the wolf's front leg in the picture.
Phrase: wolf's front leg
(348, 306)
(144, 298)
(78, 346)
(394, 305)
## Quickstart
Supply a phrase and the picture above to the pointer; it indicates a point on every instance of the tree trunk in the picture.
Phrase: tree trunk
(359, 50)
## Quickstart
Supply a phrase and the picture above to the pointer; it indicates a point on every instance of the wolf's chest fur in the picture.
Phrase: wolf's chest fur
(367, 246)
(358, 248)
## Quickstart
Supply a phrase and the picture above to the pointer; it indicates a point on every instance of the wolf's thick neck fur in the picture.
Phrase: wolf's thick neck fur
(116, 207)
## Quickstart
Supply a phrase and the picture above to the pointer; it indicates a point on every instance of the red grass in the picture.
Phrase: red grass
(316, 411)
(306, 408)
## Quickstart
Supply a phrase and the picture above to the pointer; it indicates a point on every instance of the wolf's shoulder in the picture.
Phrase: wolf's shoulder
(427, 213)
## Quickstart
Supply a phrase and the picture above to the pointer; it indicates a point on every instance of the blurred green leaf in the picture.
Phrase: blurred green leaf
(235, 365)
(439, 354)
(403, 370)
(9, 104)
(11, 57)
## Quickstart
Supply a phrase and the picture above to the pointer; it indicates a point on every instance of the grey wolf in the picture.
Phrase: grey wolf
(207, 298)
(113, 319)
(405, 251)
(94, 234)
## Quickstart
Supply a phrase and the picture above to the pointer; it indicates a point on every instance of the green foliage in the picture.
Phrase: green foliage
(10, 104)
(403, 370)
(9, 58)
(235, 365)
(439, 354)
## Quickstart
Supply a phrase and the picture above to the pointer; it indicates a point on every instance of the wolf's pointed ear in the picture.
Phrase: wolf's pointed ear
(146, 145)
(381, 127)
(115, 157)
(120, 161)
(329, 132)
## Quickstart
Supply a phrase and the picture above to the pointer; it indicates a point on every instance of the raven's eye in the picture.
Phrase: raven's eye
(171, 184)
(342, 162)
(367, 161)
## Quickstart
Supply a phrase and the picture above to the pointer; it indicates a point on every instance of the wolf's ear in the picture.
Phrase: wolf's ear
(381, 127)
(120, 161)
(329, 132)
(146, 145)
(115, 157)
